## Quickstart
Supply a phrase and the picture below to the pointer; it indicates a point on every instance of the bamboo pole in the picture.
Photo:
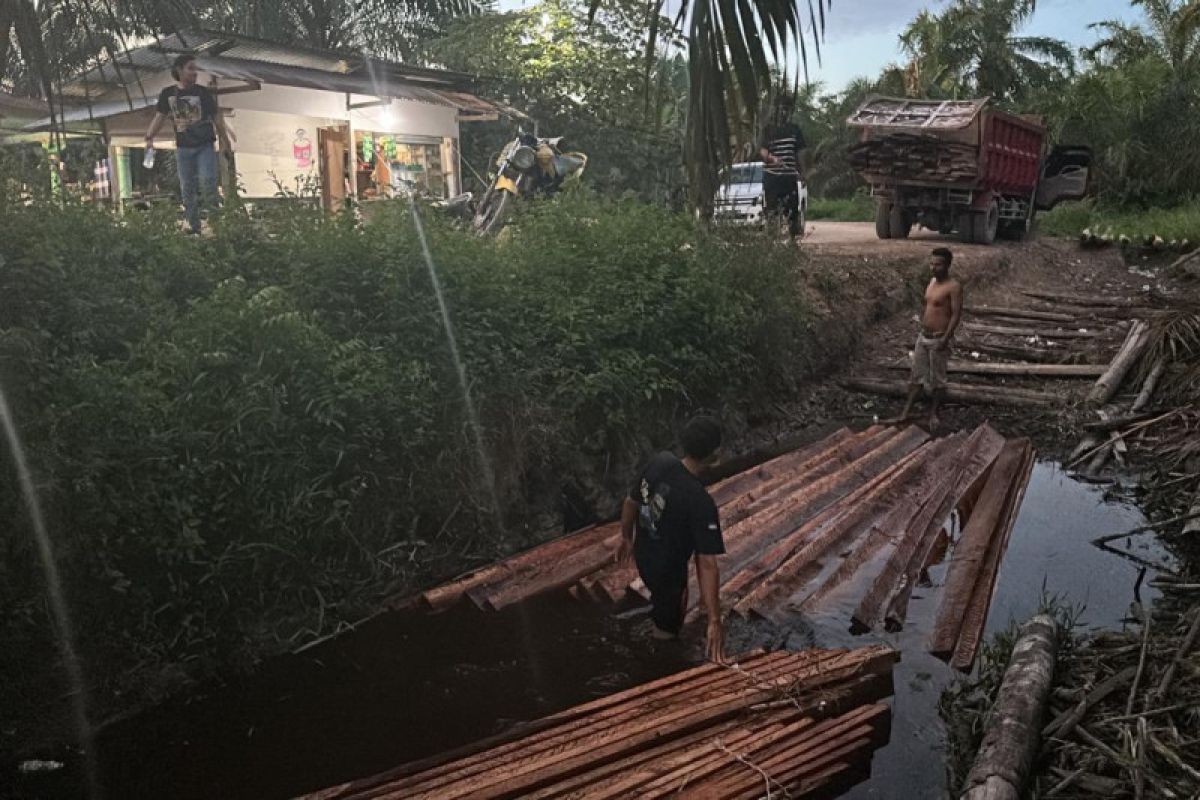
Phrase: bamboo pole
(1011, 740)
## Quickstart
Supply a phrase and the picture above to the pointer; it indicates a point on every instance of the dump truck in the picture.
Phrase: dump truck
(961, 166)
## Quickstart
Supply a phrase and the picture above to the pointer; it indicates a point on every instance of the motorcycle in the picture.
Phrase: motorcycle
(527, 166)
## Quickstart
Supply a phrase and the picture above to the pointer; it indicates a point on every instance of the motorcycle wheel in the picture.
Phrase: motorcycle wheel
(492, 213)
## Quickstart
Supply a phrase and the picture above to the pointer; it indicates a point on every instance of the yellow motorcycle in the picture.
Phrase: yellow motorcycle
(527, 166)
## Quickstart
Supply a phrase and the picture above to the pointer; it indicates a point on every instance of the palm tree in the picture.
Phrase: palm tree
(1172, 36)
(973, 48)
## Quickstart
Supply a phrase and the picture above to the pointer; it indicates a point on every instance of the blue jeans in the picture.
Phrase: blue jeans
(197, 180)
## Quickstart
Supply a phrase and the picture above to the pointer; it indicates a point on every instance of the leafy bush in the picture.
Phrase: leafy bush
(248, 438)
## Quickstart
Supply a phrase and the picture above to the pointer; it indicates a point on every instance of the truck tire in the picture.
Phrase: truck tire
(987, 224)
(899, 223)
(883, 220)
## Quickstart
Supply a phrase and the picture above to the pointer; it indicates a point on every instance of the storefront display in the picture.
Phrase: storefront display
(392, 164)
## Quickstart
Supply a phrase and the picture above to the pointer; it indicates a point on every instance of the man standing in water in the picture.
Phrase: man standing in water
(667, 518)
(197, 122)
(939, 321)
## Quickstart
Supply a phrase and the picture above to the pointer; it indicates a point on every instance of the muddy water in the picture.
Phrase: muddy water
(405, 687)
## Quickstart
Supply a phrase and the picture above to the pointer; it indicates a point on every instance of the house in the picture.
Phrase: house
(304, 119)
(16, 112)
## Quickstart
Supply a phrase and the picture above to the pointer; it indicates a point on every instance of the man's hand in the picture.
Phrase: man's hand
(714, 641)
(624, 552)
(943, 344)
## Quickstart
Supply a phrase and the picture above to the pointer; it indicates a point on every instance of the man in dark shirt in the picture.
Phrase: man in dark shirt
(780, 151)
(667, 518)
(197, 122)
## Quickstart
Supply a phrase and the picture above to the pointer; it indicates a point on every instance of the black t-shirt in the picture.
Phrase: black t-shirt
(192, 111)
(785, 143)
(677, 516)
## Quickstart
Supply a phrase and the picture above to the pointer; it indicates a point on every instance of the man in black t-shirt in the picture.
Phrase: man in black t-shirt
(780, 149)
(667, 518)
(197, 121)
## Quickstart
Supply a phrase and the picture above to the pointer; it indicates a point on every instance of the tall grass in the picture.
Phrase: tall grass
(1178, 223)
(858, 208)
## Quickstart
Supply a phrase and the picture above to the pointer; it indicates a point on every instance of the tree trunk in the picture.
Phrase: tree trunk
(1108, 384)
(1150, 384)
(1013, 735)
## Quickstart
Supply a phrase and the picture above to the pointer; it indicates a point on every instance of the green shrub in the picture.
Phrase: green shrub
(247, 438)
(1069, 219)
(858, 208)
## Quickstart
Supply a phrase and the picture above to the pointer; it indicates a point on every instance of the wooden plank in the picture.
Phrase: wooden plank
(930, 476)
(1105, 301)
(540, 752)
(869, 611)
(1044, 333)
(780, 579)
(1018, 370)
(969, 554)
(845, 512)
(1026, 313)
(981, 598)
(983, 453)
(961, 393)
(730, 488)
(601, 746)
(748, 538)
(448, 594)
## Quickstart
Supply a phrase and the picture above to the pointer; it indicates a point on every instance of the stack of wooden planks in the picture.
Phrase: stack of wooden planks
(916, 156)
(971, 578)
(1060, 336)
(856, 512)
(776, 724)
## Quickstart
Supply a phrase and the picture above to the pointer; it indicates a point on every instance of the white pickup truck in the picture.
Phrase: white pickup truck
(741, 199)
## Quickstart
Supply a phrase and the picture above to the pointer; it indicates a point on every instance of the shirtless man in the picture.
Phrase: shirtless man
(943, 312)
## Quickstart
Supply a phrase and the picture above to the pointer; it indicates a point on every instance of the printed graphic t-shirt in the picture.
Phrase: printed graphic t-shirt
(677, 516)
(192, 111)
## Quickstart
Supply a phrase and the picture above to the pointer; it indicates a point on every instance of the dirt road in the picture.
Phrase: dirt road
(835, 235)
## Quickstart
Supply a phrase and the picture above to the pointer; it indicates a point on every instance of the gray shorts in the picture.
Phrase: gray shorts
(929, 363)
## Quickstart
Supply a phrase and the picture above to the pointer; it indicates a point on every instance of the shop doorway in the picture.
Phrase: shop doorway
(333, 144)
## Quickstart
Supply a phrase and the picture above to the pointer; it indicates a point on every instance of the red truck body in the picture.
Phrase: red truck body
(960, 165)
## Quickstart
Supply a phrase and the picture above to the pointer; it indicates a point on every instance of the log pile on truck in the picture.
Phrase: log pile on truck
(961, 166)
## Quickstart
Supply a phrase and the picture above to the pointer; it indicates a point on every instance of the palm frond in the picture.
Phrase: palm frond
(1175, 340)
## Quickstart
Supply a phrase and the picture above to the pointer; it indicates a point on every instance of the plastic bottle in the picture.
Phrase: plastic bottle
(148, 161)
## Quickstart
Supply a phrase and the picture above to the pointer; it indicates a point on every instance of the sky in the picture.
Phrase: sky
(861, 36)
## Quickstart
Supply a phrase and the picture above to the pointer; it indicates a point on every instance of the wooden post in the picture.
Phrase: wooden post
(1108, 384)
(1013, 735)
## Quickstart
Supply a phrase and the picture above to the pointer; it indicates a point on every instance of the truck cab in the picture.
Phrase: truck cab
(741, 199)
